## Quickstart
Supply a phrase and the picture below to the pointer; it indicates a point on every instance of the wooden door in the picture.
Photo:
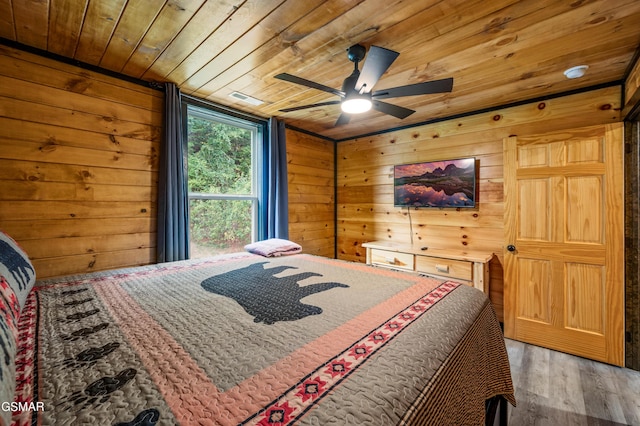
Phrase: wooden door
(564, 248)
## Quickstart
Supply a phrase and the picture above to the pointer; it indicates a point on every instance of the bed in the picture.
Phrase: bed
(246, 339)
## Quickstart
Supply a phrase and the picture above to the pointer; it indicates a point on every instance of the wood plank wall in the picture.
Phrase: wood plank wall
(365, 176)
(311, 193)
(79, 169)
(78, 165)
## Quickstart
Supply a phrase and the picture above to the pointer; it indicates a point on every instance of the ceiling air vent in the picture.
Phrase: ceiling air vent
(245, 98)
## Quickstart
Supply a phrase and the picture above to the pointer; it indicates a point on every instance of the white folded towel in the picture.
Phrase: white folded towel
(273, 247)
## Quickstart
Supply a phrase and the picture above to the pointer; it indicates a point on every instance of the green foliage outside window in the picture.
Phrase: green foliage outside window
(219, 162)
(219, 226)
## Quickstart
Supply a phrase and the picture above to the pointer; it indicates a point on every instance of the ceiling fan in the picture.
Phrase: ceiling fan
(357, 95)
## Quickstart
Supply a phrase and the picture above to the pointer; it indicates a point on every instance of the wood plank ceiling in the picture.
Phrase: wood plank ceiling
(498, 51)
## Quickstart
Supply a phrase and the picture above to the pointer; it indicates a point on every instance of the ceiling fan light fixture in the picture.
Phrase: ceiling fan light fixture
(357, 94)
(356, 105)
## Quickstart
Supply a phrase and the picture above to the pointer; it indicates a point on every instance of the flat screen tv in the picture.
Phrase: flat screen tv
(442, 184)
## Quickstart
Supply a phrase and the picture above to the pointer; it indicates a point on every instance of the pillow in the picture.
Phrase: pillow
(16, 268)
(9, 313)
(273, 247)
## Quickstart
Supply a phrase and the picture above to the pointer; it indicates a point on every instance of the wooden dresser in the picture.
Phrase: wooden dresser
(467, 267)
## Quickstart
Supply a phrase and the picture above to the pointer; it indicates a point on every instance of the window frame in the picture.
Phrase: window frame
(258, 127)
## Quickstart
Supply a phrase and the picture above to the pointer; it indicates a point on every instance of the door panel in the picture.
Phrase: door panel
(585, 220)
(564, 283)
(534, 196)
(584, 304)
(534, 276)
(585, 150)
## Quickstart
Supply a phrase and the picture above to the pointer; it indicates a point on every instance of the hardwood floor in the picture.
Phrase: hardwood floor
(553, 388)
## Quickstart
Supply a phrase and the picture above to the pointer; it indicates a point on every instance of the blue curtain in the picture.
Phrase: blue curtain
(173, 202)
(277, 188)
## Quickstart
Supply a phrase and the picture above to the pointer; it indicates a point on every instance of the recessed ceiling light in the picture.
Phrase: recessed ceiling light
(576, 72)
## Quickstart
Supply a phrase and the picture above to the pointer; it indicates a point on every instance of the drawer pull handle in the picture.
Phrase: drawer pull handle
(442, 268)
(391, 260)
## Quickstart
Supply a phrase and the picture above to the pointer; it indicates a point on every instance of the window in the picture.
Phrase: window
(224, 162)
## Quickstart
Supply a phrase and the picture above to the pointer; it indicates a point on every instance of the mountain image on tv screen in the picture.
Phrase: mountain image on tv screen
(450, 183)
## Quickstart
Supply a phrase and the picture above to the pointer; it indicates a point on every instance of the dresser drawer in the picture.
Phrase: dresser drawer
(392, 259)
(445, 267)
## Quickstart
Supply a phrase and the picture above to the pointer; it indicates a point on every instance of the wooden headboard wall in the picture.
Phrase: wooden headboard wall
(365, 175)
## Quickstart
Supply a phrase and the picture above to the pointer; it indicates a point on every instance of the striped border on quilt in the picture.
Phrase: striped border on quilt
(300, 398)
(26, 361)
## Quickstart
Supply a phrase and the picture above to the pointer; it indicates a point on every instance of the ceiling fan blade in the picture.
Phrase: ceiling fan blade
(378, 60)
(343, 119)
(428, 87)
(308, 83)
(309, 106)
(395, 110)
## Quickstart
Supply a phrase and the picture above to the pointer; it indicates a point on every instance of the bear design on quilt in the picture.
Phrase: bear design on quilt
(264, 296)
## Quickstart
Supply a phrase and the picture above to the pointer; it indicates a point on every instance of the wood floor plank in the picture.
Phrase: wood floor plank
(629, 385)
(598, 396)
(538, 370)
(553, 388)
(566, 387)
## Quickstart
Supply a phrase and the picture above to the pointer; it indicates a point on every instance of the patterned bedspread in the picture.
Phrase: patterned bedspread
(242, 339)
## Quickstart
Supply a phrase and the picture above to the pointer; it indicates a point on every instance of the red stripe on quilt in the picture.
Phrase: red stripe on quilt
(190, 393)
(297, 400)
(186, 388)
(200, 397)
(25, 359)
(267, 384)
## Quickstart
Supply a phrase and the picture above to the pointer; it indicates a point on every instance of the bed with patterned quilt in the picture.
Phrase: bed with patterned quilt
(242, 339)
